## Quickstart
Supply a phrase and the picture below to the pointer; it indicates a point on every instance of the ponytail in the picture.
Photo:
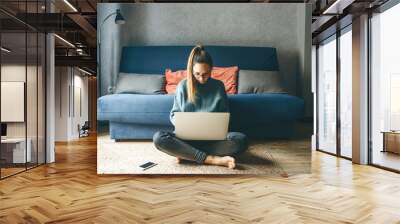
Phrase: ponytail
(197, 55)
(191, 87)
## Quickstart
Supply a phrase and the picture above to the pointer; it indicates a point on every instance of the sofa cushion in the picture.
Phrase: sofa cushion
(173, 79)
(257, 109)
(135, 108)
(258, 81)
(228, 75)
(246, 109)
(140, 83)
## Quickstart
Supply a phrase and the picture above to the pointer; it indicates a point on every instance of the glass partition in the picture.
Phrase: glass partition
(346, 92)
(22, 87)
(13, 94)
(32, 96)
(41, 96)
(385, 89)
(334, 94)
(327, 95)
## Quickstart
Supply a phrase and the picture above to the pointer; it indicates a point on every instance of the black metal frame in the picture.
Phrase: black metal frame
(26, 88)
(338, 153)
(44, 80)
(0, 87)
(316, 97)
(338, 98)
(369, 114)
(45, 90)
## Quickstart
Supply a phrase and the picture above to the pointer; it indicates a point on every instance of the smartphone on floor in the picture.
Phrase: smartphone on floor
(148, 165)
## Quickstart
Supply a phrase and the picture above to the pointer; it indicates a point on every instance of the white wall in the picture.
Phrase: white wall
(69, 112)
(61, 103)
(80, 110)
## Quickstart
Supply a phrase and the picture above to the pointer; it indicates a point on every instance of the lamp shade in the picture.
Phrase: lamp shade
(119, 19)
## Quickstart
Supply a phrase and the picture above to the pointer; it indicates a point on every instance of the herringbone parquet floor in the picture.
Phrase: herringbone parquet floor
(69, 191)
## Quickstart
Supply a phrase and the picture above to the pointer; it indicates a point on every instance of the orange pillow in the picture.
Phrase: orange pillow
(228, 75)
(173, 79)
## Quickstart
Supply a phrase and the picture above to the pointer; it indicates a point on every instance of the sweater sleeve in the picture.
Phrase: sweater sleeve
(224, 104)
(177, 102)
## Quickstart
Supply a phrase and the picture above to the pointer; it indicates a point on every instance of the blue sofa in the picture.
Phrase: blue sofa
(137, 116)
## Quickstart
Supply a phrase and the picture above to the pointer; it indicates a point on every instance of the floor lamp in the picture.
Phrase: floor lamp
(119, 20)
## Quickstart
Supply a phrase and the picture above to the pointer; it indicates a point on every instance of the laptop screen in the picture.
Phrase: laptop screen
(3, 129)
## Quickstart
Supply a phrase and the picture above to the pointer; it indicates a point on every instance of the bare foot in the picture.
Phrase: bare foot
(178, 160)
(227, 161)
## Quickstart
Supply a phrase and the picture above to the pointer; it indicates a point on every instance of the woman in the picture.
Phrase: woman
(200, 92)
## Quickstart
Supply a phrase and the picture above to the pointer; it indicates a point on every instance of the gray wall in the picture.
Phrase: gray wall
(284, 26)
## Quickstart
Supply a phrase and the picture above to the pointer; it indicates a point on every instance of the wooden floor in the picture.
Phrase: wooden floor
(69, 191)
(387, 159)
(5, 172)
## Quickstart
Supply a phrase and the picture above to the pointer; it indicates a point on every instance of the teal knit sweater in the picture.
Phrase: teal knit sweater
(210, 97)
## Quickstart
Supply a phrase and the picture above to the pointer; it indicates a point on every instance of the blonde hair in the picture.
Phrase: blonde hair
(197, 55)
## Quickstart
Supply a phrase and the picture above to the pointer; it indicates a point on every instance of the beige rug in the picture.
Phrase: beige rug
(276, 158)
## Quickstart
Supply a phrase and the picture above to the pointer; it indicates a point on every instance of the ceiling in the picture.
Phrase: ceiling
(75, 21)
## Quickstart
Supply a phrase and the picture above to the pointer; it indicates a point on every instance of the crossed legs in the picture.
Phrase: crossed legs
(202, 152)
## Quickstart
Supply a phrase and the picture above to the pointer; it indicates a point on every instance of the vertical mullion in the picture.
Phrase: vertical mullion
(60, 88)
(26, 86)
(45, 95)
(45, 87)
(73, 92)
(37, 88)
(338, 74)
(317, 96)
(0, 93)
(369, 89)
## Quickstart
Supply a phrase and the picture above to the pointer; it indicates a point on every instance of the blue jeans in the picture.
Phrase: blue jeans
(197, 151)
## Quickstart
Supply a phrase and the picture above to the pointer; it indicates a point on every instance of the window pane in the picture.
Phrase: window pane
(327, 96)
(14, 153)
(41, 98)
(385, 84)
(345, 94)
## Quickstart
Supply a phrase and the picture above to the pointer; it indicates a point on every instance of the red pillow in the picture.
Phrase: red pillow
(173, 79)
(228, 75)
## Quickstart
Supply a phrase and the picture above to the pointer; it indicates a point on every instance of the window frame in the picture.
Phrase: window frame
(336, 38)
(381, 9)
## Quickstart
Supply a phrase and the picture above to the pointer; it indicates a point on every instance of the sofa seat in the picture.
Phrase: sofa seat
(135, 108)
(246, 109)
(256, 109)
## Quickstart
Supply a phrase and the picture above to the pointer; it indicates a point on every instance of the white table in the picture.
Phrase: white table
(18, 150)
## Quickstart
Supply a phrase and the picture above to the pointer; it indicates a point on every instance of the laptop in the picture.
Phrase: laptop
(201, 125)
